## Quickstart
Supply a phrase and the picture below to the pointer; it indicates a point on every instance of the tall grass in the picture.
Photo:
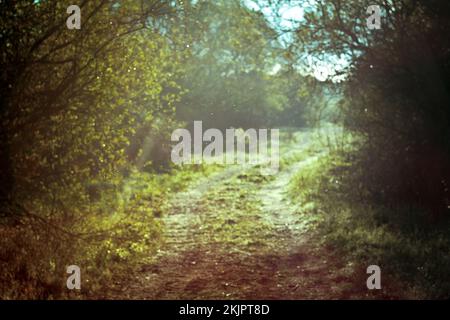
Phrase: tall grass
(121, 229)
(394, 238)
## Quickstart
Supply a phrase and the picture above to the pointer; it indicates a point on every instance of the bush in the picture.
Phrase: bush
(366, 231)
(109, 239)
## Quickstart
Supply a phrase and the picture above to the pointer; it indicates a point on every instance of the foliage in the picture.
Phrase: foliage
(72, 103)
(403, 246)
(235, 77)
(86, 117)
(396, 94)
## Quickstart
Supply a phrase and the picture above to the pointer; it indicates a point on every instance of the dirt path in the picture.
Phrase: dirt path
(235, 235)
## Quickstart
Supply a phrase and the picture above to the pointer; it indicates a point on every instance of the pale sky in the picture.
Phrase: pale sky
(291, 14)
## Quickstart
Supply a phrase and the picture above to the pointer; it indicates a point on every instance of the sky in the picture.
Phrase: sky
(291, 15)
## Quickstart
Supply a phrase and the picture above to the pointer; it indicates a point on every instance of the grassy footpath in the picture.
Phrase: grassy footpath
(235, 235)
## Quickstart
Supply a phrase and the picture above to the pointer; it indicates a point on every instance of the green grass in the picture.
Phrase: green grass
(106, 238)
(368, 233)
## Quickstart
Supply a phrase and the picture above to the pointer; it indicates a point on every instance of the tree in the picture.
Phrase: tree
(71, 103)
(228, 80)
(396, 92)
(72, 99)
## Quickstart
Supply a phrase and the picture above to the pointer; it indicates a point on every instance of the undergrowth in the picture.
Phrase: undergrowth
(106, 237)
(394, 238)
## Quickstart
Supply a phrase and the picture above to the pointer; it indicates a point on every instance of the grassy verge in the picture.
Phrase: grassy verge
(105, 238)
(367, 233)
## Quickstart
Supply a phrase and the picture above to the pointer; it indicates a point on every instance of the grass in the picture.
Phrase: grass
(106, 237)
(369, 233)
